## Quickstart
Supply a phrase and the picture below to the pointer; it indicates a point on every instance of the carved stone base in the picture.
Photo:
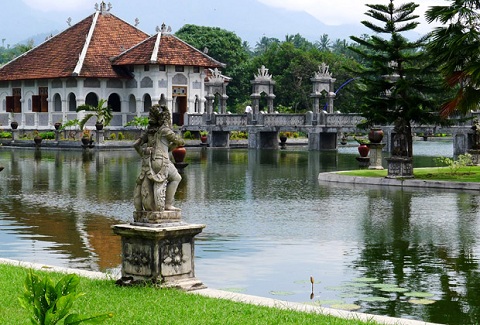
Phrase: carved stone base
(157, 217)
(400, 167)
(475, 156)
(363, 161)
(159, 254)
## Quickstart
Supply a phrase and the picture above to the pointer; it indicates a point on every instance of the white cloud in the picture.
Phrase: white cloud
(343, 11)
(58, 6)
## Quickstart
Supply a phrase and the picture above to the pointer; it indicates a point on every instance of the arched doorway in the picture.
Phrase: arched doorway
(91, 99)
(72, 102)
(147, 103)
(57, 103)
(114, 102)
(132, 104)
(179, 104)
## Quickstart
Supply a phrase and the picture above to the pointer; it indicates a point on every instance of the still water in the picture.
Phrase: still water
(270, 226)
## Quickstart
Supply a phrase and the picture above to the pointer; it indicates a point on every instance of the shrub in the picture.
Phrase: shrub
(238, 135)
(455, 165)
(188, 135)
(5, 134)
(121, 136)
(49, 303)
(47, 135)
(112, 136)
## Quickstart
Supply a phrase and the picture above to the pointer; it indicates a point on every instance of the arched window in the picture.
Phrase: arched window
(147, 103)
(115, 103)
(72, 102)
(132, 104)
(91, 99)
(57, 103)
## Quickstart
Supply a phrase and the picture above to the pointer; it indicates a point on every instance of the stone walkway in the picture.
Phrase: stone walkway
(237, 297)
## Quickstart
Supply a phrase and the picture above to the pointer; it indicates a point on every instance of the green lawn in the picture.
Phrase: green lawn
(150, 305)
(463, 174)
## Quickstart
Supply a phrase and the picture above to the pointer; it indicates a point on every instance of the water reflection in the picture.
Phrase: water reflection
(270, 225)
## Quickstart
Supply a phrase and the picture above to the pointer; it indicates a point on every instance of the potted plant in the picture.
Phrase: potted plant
(57, 125)
(37, 138)
(283, 137)
(86, 137)
(203, 136)
(363, 149)
(102, 112)
(13, 123)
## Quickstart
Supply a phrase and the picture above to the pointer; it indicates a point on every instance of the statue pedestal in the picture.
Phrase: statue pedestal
(159, 253)
(475, 156)
(400, 167)
(376, 155)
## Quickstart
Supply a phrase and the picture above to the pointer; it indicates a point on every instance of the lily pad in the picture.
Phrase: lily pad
(365, 280)
(419, 294)
(346, 306)
(393, 289)
(421, 301)
(349, 295)
(327, 302)
(357, 284)
(384, 285)
(282, 293)
(374, 299)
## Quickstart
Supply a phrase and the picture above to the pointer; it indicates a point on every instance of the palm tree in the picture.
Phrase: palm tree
(455, 46)
(103, 113)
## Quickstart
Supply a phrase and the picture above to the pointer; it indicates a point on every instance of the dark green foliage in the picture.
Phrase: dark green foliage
(50, 303)
(223, 46)
(455, 48)
(9, 53)
(47, 135)
(5, 135)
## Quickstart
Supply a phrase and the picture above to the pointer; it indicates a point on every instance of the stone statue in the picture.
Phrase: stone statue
(158, 180)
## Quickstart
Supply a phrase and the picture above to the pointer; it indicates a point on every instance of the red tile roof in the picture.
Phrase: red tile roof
(171, 51)
(58, 56)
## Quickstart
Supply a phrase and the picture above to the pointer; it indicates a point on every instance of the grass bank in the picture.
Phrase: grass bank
(149, 305)
(462, 174)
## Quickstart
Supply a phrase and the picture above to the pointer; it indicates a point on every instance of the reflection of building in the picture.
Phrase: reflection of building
(103, 57)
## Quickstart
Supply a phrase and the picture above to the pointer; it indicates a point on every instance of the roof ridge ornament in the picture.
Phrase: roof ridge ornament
(262, 74)
(103, 8)
(164, 29)
(323, 71)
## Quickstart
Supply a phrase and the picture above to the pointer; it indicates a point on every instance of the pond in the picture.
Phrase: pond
(270, 226)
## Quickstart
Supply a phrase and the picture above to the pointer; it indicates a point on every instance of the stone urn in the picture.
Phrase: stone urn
(99, 126)
(14, 125)
(363, 150)
(179, 154)
(375, 135)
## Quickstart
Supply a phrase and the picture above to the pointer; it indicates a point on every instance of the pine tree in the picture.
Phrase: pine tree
(396, 84)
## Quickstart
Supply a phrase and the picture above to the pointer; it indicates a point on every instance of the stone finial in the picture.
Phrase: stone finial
(137, 22)
(69, 21)
(216, 76)
(263, 74)
(103, 7)
(323, 71)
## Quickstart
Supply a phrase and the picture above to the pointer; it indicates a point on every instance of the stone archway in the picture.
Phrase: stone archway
(262, 83)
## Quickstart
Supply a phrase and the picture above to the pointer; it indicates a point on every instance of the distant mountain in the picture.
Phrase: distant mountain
(249, 19)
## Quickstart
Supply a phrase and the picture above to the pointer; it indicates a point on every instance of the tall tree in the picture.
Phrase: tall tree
(397, 83)
(224, 46)
(455, 47)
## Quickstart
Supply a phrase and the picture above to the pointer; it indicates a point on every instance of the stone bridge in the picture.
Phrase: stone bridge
(323, 129)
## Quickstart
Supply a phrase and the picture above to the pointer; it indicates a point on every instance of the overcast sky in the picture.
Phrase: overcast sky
(36, 16)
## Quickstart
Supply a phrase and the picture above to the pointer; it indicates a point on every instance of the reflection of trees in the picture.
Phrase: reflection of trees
(399, 251)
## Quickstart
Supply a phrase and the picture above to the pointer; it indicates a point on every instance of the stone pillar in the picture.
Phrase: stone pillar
(376, 155)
